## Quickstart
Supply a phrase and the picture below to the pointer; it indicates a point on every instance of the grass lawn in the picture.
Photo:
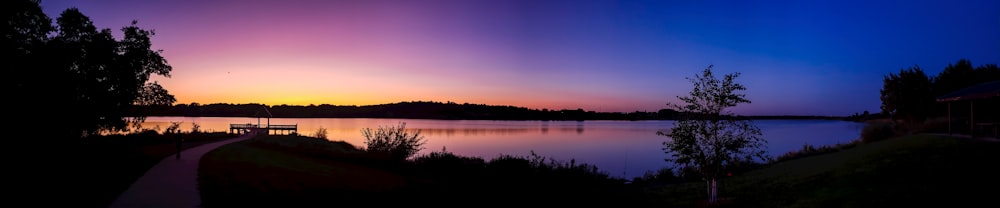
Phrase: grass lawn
(916, 170)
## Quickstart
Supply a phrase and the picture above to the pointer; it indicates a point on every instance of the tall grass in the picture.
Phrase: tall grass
(810, 150)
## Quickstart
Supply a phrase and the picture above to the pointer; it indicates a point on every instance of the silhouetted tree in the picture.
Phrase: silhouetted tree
(25, 31)
(93, 79)
(907, 95)
(961, 74)
(395, 141)
(707, 136)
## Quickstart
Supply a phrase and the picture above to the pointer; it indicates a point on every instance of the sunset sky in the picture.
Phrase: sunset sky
(796, 57)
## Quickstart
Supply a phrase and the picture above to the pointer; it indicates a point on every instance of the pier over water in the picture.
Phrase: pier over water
(267, 128)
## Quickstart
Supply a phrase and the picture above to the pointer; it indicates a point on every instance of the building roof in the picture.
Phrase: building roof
(979, 91)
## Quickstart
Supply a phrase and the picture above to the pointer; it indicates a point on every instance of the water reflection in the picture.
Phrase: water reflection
(620, 148)
(477, 132)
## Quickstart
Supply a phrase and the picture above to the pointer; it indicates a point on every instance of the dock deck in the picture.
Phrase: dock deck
(276, 128)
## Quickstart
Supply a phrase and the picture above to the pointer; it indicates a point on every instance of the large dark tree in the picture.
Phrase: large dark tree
(961, 75)
(25, 32)
(907, 95)
(76, 74)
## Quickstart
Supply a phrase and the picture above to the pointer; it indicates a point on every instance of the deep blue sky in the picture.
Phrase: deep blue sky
(796, 57)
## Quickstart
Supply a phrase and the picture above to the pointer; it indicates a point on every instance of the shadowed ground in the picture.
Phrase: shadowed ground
(172, 182)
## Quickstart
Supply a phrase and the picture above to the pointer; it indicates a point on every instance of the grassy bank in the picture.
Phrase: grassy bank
(293, 170)
(921, 170)
(916, 170)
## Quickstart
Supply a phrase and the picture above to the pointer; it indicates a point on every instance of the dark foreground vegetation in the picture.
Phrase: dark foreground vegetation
(290, 171)
(94, 171)
(282, 171)
(293, 171)
(909, 171)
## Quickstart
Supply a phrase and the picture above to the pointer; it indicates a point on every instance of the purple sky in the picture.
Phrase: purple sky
(796, 57)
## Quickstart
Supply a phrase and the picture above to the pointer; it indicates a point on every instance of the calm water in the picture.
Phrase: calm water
(620, 148)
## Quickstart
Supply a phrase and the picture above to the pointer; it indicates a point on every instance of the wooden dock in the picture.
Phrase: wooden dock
(276, 128)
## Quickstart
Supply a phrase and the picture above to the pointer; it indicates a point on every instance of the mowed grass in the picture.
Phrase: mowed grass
(916, 170)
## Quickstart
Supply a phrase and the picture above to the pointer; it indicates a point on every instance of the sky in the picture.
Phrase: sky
(795, 57)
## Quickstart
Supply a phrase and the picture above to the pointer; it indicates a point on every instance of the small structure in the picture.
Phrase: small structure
(266, 128)
(986, 94)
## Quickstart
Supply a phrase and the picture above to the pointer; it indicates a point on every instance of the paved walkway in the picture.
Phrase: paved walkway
(172, 182)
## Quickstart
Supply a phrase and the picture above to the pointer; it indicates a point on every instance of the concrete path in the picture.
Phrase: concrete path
(172, 182)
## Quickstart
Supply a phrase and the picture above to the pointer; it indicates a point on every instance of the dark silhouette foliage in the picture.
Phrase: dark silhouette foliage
(709, 138)
(961, 74)
(77, 72)
(907, 95)
(910, 95)
(395, 141)
(420, 110)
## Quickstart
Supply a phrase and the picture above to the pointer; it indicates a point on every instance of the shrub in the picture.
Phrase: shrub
(394, 141)
(321, 133)
(195, 128)
(174, 128)
(877, 131)
(664, 175)
(539, 166)
(445, 164)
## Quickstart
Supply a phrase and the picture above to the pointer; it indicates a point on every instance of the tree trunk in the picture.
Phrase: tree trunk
(713, 191)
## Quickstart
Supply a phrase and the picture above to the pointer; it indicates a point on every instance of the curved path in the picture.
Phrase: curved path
(172, 182)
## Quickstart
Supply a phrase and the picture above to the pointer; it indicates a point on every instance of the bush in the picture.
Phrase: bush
(195, 128)
(878, 131)
(445, 164)
(174, 128)
(321, 133)
(395, 141)
(662, 176)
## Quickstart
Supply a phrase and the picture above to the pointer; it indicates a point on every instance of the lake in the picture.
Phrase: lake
(624, 149)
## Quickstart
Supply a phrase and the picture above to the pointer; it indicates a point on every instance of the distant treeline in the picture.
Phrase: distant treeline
(415, 110)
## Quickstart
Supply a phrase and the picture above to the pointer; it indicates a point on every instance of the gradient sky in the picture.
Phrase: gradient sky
(796, 57)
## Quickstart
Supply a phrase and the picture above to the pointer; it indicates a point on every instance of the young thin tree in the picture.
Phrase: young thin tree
(708, 137)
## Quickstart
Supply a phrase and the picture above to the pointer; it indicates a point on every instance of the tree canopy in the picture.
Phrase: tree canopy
(709, 138)
(907, 94)
(910, 94)
(93, 78)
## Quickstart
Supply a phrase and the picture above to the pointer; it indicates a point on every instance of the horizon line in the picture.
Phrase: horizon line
(468, 103)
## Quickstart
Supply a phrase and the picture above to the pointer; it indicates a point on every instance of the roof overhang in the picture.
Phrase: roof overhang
(975, 92)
